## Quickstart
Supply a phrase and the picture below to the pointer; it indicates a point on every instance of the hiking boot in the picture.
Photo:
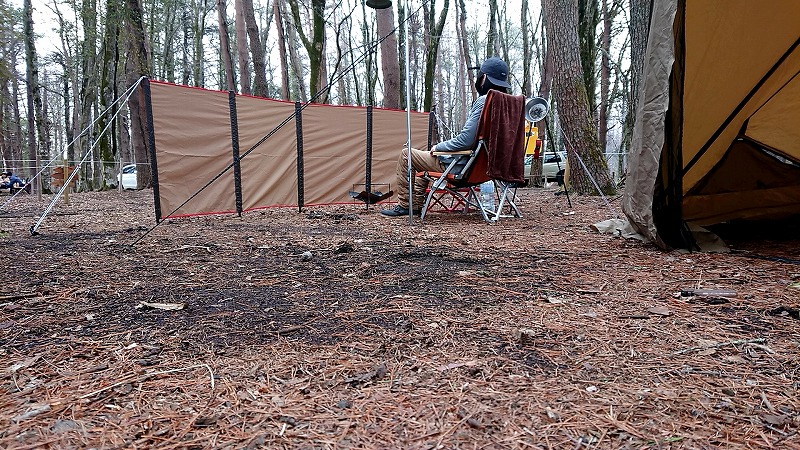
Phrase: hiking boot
(397, 211)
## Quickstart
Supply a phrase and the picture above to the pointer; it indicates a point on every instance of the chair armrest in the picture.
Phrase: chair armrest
(460, 152)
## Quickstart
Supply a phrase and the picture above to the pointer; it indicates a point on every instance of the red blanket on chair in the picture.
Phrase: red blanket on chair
(503, 130)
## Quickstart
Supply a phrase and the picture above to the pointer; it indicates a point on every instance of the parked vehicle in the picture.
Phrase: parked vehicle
(127, 177)
(553, 166)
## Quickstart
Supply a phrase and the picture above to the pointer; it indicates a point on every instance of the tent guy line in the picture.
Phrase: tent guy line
(72, 175)
(82, 133)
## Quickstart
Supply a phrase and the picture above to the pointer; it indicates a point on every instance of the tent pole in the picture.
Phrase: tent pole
(408, 124)
(368, 162)
(151, 144)
(237, 169)
(298, 122)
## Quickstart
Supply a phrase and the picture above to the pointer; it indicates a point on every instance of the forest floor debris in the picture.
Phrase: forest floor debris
(529, 333)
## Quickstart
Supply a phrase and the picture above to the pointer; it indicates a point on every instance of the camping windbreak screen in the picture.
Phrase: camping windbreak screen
(193, 146)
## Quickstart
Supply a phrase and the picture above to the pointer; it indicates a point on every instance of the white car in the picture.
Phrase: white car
(553, 166)
(127, 177)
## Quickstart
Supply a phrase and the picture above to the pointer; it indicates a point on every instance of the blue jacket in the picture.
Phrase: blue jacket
(468, 136)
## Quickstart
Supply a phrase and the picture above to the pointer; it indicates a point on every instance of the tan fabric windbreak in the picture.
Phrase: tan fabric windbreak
(193, 146)
(193, 141)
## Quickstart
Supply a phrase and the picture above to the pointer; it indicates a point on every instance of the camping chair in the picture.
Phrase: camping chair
(471, 168)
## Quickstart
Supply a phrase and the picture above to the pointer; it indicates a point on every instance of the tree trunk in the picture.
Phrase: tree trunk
(108, 83)
(17, 150)
(37, 138)
(543, 126)
(5, 149)
(137, 68)
(298, 87)
(502, 32)
(402, 43)
(276, 8)
(201, 10)
(462, 28)
(588, 18)
(168, 65)
(315, 46)
(88, 93)
(355, 74)
(186, 26)
(370, 60)
(260, 87)
(605, 76)
(526, 49)
(390, 62)
(341, 69)
(241, 48)
(638, 28)
(580, 131)
(491, 37)
(433, 50)
(225, 47)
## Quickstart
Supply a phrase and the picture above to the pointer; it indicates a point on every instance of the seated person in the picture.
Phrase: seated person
(14, 182)
(493, 74)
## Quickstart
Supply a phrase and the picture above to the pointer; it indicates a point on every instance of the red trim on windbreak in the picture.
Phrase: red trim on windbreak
(184, 216)
(259, 208)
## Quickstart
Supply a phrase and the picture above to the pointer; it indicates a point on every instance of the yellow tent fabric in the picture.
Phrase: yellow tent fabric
(717, 135)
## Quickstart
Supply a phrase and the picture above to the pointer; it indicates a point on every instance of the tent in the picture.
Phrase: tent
(717, 133)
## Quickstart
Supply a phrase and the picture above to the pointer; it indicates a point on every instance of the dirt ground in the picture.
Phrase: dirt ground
(336, 327)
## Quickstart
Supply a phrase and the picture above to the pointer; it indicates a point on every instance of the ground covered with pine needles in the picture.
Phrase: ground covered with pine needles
(336, 327)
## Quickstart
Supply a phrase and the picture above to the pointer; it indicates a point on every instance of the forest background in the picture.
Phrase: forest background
(68, 66)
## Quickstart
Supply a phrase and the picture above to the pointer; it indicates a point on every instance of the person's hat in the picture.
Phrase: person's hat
(496, 70)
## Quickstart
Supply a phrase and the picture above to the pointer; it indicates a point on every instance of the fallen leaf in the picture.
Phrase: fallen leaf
(524, 335)
(163, 306)
(376, 373)
(553, 415)
(23, 365)
(659, 310)
(774, 419)
(34, 410)
(205, 421)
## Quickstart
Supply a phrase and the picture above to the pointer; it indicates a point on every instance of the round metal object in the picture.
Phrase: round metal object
(536, 109)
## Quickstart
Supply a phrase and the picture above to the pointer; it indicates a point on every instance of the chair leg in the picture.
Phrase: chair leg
(434, 186)
(507, 196)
